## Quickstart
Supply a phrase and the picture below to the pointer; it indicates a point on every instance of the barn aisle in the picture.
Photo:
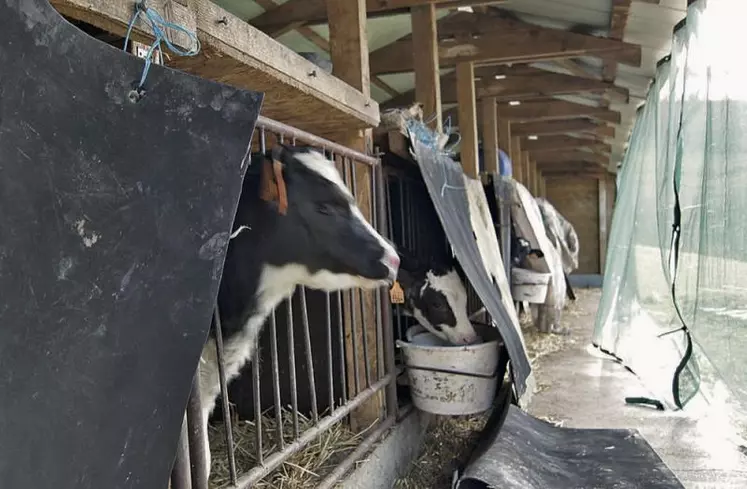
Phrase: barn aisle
(579, 388)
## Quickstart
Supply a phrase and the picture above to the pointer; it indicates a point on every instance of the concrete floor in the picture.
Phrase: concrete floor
(584, 389)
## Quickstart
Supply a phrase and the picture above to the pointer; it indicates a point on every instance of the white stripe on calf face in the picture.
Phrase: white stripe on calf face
(451, 286)
(325, 168)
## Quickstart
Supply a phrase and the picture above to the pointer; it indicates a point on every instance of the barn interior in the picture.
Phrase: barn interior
(554, 86)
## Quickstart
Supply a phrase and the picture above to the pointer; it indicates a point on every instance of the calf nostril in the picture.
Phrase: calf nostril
(394, 261)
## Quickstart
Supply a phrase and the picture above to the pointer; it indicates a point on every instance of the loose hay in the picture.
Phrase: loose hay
(448, 443)
(302, 470)
(542, 344)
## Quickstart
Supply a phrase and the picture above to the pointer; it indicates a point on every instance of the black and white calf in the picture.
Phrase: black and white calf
(436, 297)
(296, 224)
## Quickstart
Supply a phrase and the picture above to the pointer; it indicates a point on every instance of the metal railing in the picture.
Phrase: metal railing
(335, 331)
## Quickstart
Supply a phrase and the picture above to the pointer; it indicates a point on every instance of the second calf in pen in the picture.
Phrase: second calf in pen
(437, 298)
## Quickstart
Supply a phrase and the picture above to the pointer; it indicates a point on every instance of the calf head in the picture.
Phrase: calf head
(321, 236)
(437, 299)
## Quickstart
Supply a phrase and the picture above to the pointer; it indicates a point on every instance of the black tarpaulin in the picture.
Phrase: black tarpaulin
(444, 180)
(114, 222)
(529, 453)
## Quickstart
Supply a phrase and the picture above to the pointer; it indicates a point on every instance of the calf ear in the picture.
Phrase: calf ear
(405, 279)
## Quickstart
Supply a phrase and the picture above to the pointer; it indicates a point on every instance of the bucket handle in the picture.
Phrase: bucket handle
(455, 372)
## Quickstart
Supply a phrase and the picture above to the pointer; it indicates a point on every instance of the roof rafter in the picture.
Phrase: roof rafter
(295, 13)
(556, 143)
(578, 125)
(570, 156)
(518, 83)
(493, 39)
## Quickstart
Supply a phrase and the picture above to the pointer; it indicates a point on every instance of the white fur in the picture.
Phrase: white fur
(451, 286)
(317, 163)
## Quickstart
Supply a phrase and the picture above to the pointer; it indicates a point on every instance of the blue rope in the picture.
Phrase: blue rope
(158, 25)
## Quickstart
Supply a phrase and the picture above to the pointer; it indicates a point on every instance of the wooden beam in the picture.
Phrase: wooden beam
(295, 13)
(570, 157)
(592, 146)
(375, 80)
(494, 40)
(237, 54)
(528, 172)
(517, 160)
(534, 84)
(542, 187)
(490, 135)
(468, 118)
(504, 135)
(556, 109)
(348, 42)
(554, 143)
(618, 22)
(575, 68)
(425, 60)
(564, 127)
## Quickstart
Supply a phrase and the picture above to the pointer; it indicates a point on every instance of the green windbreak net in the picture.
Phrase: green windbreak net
(674, 304)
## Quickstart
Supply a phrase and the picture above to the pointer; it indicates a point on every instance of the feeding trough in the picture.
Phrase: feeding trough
(529, 285)
(448, 379)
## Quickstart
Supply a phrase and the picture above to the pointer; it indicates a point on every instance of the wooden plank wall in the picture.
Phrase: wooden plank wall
(577, 199)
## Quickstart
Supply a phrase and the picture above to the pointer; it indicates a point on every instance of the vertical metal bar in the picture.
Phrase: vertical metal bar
(341, 334)
(262, 140)
(390, 225)
(180, 473)
(257, 404)
(379, 222)
(402, 226)
(309, 358)
(197, 448)
(388, 332)
(276, 377)
(349, 180)
(354, 339)
(330, 365)
(359, 293)
(218, 329)
(292, 366)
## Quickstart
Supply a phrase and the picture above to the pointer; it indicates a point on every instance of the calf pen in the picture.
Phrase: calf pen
(414, 225)
(335, 366)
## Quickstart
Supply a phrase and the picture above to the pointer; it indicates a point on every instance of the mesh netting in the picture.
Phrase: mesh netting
(677, 258)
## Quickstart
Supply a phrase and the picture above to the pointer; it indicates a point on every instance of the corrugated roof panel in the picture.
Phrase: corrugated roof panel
(563, 13)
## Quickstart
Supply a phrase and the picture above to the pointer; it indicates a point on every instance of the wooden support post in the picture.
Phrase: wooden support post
(425, 62)
(528, 172)
(467, 117)
(602, 185)
(490, 135)
(348, 43)
(542, 188)
(504, 138)
(518, 160)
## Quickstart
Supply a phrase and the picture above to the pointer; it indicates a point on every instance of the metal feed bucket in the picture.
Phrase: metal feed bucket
(451, 380)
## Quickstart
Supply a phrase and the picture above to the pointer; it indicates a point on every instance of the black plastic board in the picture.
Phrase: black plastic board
(114, 222)
(444, 179)
(529, 453)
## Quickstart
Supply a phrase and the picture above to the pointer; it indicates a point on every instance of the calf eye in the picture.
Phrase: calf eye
(437, 305)
(325, 208)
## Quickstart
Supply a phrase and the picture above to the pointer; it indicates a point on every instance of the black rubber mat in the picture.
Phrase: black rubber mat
(114, 222)
(528, 453)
